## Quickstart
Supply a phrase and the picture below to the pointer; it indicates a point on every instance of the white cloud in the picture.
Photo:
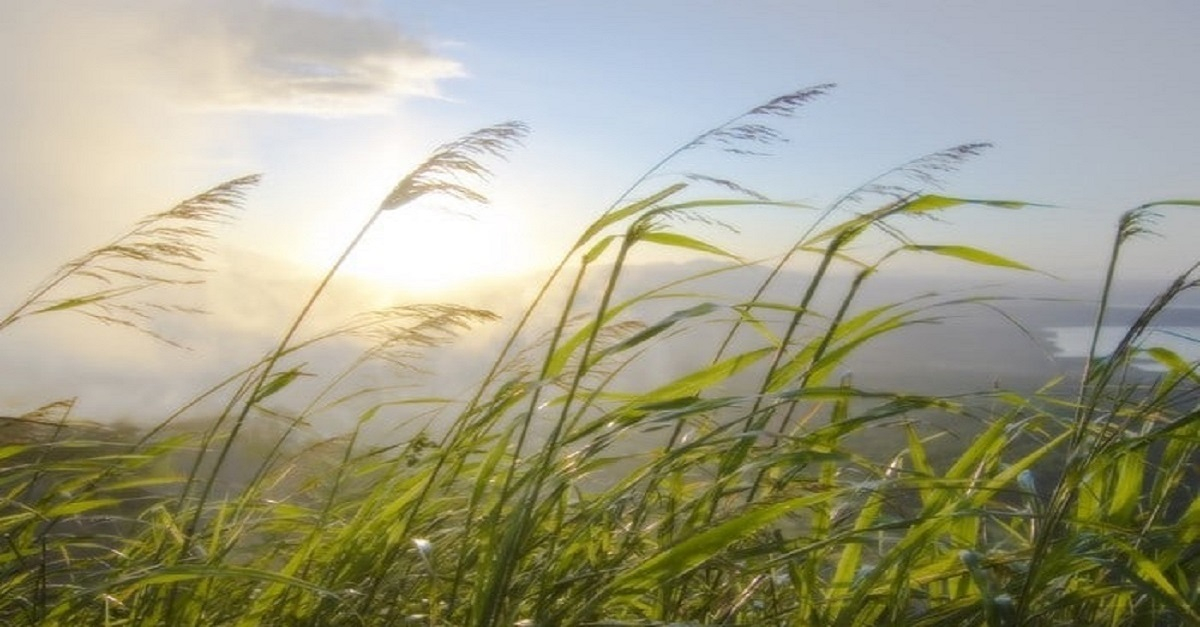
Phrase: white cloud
(278, 56)
(107, 105)
(247, 54)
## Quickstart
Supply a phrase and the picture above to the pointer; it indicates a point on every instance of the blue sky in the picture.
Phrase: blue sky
(116, 108)
(113, 109)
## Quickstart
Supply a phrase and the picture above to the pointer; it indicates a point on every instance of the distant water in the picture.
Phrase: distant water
(1073, 341)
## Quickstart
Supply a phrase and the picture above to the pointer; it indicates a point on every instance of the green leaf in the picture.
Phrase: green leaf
(176, 573)
(682, 241)
(761, 304)
(682, 402)
(144, 482)
(1127, 487)
(704, 378)
(558, 360)
(79, 507)
(620, 214)
(598, 249)
(916, 452)
(277, 382)
(1179, 202)
(694, 551)
(9, 450)
(731, 202)
(71, 303)
(1153, 577)
(971, 254)
(1173, 362)
(851, 559)
(933, 202)
(1189, 523)
(657, 328)
(88, 299)
(797, 364)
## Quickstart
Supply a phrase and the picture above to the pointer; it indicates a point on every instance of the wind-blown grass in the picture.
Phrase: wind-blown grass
(524, 503)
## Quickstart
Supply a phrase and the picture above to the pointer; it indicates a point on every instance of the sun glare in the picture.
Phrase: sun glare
(430, 250)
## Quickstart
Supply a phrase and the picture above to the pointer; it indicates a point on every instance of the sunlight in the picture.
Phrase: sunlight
(431, 250)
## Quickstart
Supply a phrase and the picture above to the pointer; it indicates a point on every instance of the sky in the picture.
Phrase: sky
(113, 109)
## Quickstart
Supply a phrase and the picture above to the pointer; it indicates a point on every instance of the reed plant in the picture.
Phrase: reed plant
(564, 490)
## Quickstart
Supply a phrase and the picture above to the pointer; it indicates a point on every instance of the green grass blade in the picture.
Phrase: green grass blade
(652, 331)
(971, 254)
(678, 240)
(1146, 571)
(700, 380)
(694, 551)
(617, 215)
(934, 202)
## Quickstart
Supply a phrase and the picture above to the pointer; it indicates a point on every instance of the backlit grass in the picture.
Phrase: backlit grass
(565, 491)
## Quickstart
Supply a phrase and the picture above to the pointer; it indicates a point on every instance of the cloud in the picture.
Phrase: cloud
(107, 112)
(242, 54)
(287, 57)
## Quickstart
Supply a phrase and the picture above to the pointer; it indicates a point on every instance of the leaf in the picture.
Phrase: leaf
(683, 241)
(732, 202)
(1153, 577)
(704, 378)
(597, 249)
(934, 202)
(12, 449)
(851, 559)
(176, 573)
(80, 301)
(682, 402)
(1127, 488)
(79, 507)
(916, 452)
(277, 382)
(834, 354)
(1179, 202)
(657, 328)
(1189, 523)
(558, 360)
(1173, 362)
(672, 411)
(760, 304)
(144, 482)
(629, 210)
(694, 551)
(971, 254)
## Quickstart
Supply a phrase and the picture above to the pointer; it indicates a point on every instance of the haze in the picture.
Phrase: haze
(117, 108)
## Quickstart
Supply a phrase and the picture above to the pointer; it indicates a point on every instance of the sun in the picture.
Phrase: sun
(430, 250)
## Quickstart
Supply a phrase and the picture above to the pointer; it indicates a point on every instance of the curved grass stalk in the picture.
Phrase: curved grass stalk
(922, 169)
(641, 229)
(730, 134)
(822, 534)
(439, 174)
(162, 249)
(1093, 383)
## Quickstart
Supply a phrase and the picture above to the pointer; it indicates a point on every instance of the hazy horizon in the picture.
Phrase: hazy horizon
(118, 374)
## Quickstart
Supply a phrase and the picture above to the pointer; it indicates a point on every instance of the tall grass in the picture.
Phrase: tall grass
(564, 490)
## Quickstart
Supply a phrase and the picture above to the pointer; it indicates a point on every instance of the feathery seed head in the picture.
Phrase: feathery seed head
(1137, 221)
(444, 171)
(787, 104)
(734, 135)
(162, 249)
(727, 184)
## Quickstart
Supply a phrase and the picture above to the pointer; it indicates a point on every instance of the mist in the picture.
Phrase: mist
(118, 375)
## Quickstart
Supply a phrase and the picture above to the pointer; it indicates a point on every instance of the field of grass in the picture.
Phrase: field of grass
(563, 491)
